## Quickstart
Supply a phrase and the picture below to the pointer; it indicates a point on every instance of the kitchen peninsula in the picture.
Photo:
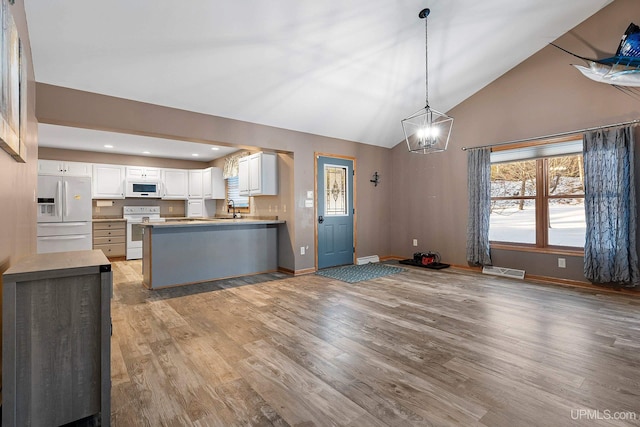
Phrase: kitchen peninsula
(184, 252)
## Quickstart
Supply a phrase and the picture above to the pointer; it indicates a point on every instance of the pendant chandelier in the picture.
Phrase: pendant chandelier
(427, 130)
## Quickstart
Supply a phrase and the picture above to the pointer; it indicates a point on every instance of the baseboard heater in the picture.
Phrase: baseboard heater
(367, 259)
(502, 271)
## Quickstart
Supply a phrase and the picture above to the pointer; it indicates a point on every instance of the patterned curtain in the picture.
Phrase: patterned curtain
(231, 165)
(610, 254)
(479, 187)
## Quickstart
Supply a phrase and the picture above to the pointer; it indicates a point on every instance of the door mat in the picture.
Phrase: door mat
(433, 265)
(357, 273)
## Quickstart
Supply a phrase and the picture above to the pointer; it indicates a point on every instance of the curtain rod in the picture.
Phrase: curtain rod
(556, 135)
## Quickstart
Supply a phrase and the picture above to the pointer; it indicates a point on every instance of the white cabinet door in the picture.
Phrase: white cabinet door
(258, 175)
(255, 174)
(213, 184)
(108, 182)
(195, 183)
(206, 183)
(134, 172)
(58, 167)
(50, 167)
(176, 184)
(243, 176)
(195, 208)
(152, 174)
(143, 173)
(77, 169)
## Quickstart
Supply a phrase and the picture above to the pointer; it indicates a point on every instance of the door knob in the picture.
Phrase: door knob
(320, 219)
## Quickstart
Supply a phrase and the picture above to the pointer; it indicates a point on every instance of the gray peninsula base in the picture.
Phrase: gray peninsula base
(183, 253)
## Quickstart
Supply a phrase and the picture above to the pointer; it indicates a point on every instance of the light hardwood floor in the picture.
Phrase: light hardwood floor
(417, 348)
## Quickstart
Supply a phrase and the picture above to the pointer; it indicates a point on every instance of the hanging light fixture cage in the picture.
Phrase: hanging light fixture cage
(427, 130)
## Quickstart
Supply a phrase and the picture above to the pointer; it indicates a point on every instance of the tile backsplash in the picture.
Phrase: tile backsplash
(168, 208)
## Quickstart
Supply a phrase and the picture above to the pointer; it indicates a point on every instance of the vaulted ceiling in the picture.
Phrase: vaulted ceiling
(345, 69)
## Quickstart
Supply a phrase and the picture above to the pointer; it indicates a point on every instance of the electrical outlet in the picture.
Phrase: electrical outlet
(97, 209)
(562, 263)
(415, 242)
(302, 250)
(170, 209)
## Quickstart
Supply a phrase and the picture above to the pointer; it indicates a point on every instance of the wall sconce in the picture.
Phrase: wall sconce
(376, 179)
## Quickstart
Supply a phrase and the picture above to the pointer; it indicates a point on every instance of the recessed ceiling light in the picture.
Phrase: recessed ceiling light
(146, 152)
(215, 148)
(108, 146)
(195, 155)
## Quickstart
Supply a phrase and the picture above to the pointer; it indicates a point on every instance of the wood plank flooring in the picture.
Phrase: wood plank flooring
(419, 348)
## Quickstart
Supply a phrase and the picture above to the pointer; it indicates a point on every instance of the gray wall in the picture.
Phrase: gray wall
(541, 96)
(63, 106)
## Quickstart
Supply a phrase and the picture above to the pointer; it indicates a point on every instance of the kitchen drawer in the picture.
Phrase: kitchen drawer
(109, 233)
(109, 225)
(63, 228)
(108, 240)
(112, 250)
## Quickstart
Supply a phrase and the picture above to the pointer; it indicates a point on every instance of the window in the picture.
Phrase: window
(336, 203)
(233, 193)
(538, 202)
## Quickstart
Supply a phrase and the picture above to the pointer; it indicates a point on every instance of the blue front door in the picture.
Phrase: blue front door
(335, 211)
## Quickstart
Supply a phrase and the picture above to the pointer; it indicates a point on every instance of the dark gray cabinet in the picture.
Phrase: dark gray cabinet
(56, 331)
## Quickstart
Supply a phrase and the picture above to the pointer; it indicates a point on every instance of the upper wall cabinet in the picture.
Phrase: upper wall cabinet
(258, 175)
(108, 181)
(195, 184)
(57, 167)
(175, 184)
(143, 173)
(243, 176)
(213, 184)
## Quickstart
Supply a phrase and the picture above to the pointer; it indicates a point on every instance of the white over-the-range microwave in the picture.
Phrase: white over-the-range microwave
(148, 189)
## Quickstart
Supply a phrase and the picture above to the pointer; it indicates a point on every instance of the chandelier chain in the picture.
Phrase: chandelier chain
(426, 63)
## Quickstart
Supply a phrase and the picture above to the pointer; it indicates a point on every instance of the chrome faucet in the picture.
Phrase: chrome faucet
(233, 206)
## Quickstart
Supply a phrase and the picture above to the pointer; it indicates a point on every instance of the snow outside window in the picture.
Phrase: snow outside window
(538, 202)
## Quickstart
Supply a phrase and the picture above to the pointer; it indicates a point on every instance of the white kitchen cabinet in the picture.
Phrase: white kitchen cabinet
(58, 167)
(243, 176)
(258, 175)
(108, 181)
(213, 184)
(195, 184)
(195, 208)
(143, 173)
(175, 184)
(199, 208)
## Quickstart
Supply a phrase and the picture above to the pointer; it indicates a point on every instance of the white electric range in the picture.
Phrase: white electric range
(135, 216)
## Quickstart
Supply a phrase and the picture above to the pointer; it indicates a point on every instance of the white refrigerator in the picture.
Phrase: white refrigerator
(64, 214)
